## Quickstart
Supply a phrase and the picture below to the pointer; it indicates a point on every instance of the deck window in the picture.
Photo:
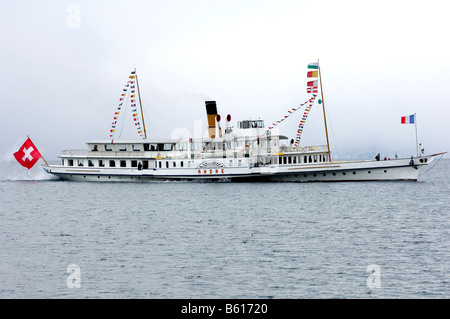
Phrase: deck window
(167, 147)
(167, 164)
(134, 164)
(80, 162)
(289, 160)
(108, 148)
(101, 163)
(182, 146)
(136, 147)
(122, 148)
(70, 162)
(90, 163)
(112, 163)
(123, 163)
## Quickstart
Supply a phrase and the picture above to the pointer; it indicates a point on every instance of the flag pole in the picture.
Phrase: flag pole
(417, 141)
(39, 152)
(140, 103)
(324, 116)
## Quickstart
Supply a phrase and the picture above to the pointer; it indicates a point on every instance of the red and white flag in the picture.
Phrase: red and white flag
(311, 89)
(28, 154)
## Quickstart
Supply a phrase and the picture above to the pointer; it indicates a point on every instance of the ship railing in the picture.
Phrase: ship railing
(304, 149)
(107, 154)
(238, 152)
(74, 153)
(218, 154)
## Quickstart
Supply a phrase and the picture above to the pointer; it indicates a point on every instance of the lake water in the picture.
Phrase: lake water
(223, 240)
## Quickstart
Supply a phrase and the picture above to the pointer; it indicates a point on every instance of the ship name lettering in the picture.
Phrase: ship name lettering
(211, 171)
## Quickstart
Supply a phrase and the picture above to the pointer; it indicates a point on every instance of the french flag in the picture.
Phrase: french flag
(410, 119)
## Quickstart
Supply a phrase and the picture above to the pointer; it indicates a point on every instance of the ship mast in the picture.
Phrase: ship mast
(324, 116)
(140, 103)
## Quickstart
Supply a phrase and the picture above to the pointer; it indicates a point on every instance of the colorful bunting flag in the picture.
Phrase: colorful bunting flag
(289, 113)
(313, 65)
(305, 115)
(127, 94)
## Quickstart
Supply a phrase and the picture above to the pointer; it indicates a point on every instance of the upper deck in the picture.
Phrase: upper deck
(190, 149)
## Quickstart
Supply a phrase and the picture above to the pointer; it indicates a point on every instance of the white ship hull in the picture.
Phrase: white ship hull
(397, 169)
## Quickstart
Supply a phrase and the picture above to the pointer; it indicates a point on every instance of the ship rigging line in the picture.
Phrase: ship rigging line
(423, 173)
(124, 113)
(290, 113)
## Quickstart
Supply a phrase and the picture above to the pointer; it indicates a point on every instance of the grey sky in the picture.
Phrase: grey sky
(61, 77)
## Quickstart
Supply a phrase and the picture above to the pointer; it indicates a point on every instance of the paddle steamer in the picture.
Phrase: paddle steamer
(248, 152)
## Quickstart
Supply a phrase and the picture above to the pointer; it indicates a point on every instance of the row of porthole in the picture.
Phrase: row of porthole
(343, 173)
(109, 177)
(305, 175)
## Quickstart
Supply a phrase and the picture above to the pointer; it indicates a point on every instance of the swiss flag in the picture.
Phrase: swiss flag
(28, 154)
